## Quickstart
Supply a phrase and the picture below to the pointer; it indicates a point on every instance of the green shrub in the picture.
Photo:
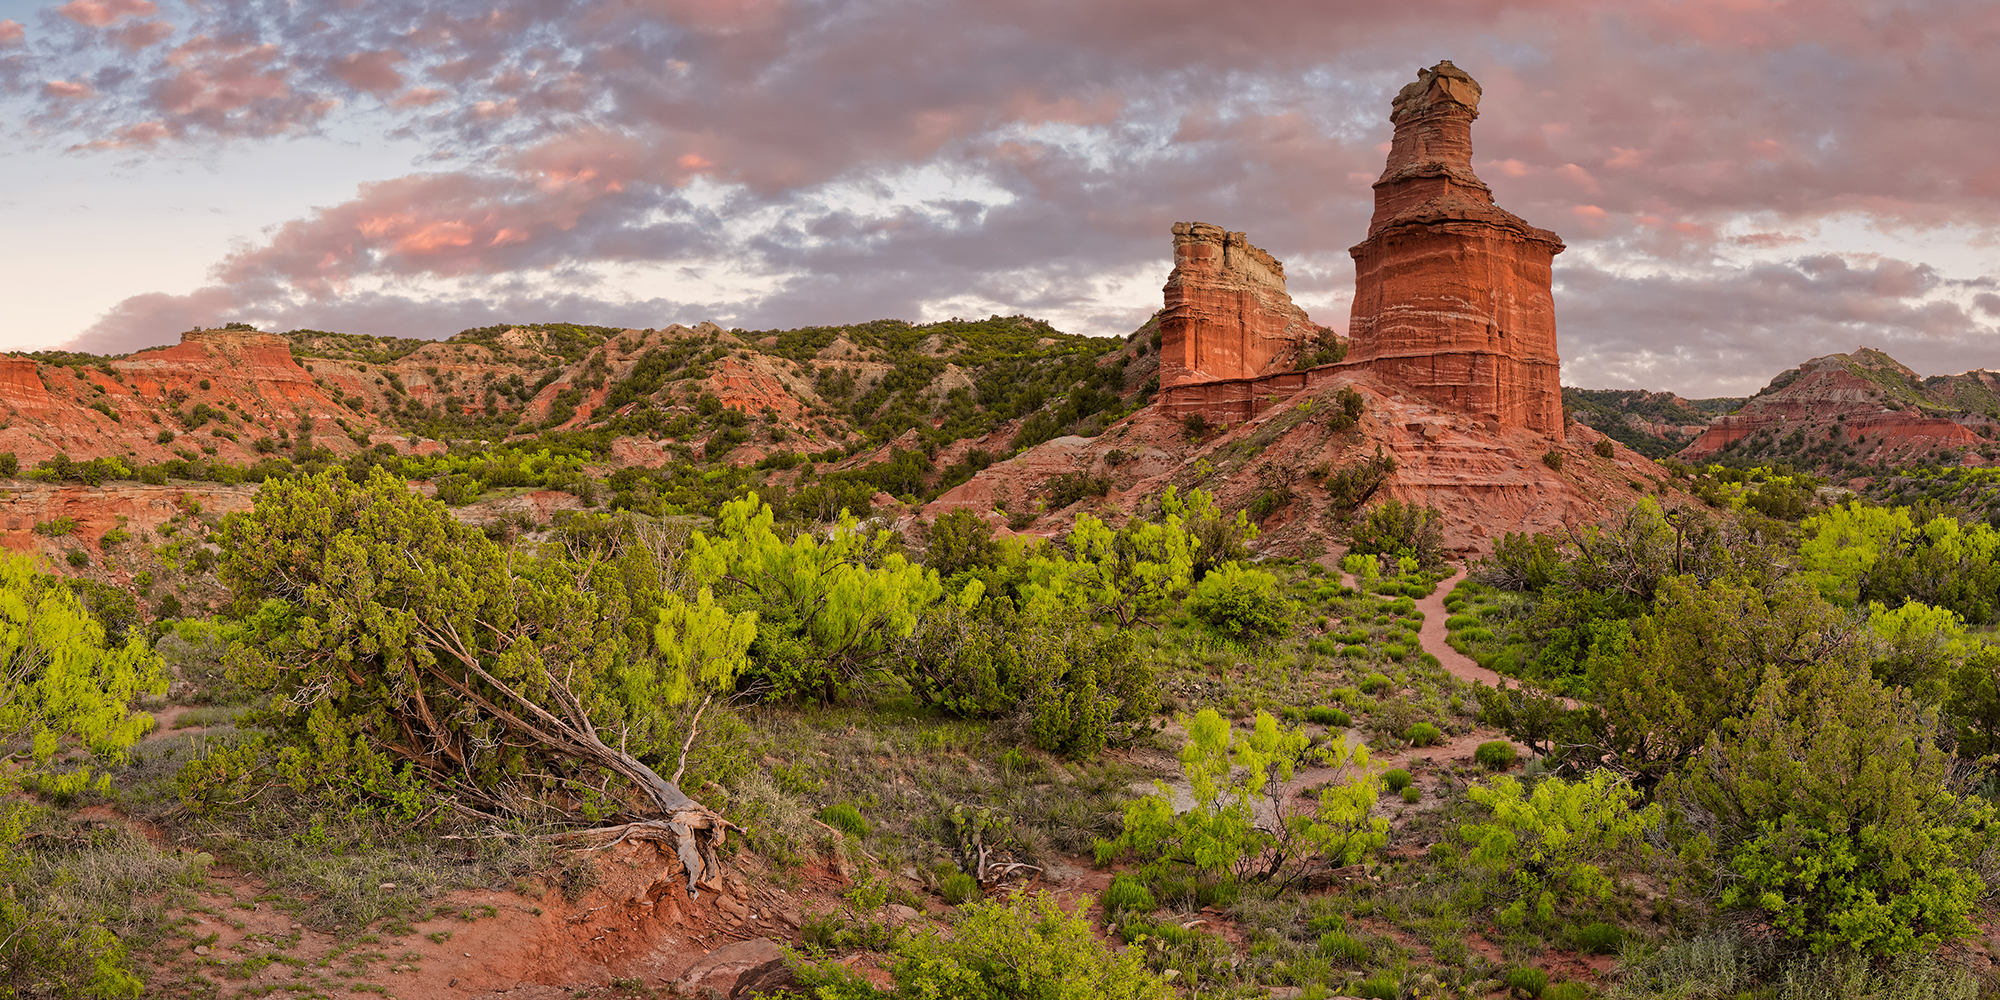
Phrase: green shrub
(1396, 780)
(56, 527)
(1553, 459)
(1496, 755)
(1567, 991)
(1423, 734)
(845, 818)
(1527, 982)
(1216, 838)
(1599, 938)
(1381, 986)
(1128, 893)
(1344, 948)
(958, 889)
(77, 557)
(1027, 946)
(1375, 684)
(1327, 715)
(1397, 529)
(1413, 795)
(1242, 604)
(1603, 448)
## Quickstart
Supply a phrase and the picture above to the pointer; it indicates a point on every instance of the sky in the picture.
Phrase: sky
(1742, 184)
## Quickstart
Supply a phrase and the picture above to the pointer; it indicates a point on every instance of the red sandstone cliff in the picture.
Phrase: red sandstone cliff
(1452, 294)
(1227, 313)
(1859, 407)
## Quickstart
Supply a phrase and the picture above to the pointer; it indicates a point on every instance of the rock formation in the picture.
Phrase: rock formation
(1865, 406)
(1227, 313)
(1452, 295)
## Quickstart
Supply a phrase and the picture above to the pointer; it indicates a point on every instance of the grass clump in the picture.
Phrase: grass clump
(846, 818)
(1396, 780)
(1327, 715)
(1423, 734)
(1496, 755)
(1599, 938)
(1127, 893)
(1526, 982)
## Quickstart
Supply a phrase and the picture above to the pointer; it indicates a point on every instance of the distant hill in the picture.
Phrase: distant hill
(1858, 414)
(1654, 424)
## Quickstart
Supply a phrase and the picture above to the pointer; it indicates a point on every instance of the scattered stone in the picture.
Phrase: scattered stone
(737, 969)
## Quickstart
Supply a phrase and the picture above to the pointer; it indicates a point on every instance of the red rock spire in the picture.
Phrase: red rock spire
(1452, 294)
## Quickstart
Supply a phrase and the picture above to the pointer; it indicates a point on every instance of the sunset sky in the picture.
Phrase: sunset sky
(1742, 184)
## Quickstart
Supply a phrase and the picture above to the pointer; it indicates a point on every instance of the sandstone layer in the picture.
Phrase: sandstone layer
(1227, 312)
(1452, 294)
(1867, 403)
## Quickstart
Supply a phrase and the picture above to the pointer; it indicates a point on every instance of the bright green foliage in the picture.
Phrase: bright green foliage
(1862, 553)
(58, 678)
(1423, 734)
(1832, 816)
(1522, 561)
(1242, 604)
(1025, 948)
(825, 607)
(412, 659)
(843, 816)
(1396, 780)
(61, 687)
(1917, 647)
(1228, 772)
(1129, 574)
(1365, 569)
(1552, 843)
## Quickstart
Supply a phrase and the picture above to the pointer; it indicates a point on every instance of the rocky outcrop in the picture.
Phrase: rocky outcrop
(1858, 407)
(1227, 313)
(1452, 294)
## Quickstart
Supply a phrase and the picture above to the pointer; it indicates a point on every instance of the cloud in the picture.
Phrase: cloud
(12, 34)
(1727, 330)
(370, 72)
(849, 160)
(102, 13)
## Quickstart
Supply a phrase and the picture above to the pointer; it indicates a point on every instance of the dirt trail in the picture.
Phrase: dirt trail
(1433, 636)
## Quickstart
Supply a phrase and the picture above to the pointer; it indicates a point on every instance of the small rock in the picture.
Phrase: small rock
(731, 905)
(201, 949)
(387, 885)
(737, 968)
(900, 914)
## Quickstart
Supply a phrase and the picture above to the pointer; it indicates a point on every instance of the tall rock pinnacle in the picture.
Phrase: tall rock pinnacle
(1452, 293)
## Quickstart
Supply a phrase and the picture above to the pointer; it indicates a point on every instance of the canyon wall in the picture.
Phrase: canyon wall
(1452, 294)
(1227, 313)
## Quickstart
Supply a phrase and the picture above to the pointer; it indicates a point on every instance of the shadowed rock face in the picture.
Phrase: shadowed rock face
(1452, 295)
(1227, 313)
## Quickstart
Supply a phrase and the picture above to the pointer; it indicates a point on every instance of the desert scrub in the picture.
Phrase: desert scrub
(1495, 755)
(1028, 946)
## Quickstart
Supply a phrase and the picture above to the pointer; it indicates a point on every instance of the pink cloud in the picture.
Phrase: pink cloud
(141, 34)
(66, 89)
(143, 135)
(11, 33)
(419, 97)
(100, 13)
(372, 72)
